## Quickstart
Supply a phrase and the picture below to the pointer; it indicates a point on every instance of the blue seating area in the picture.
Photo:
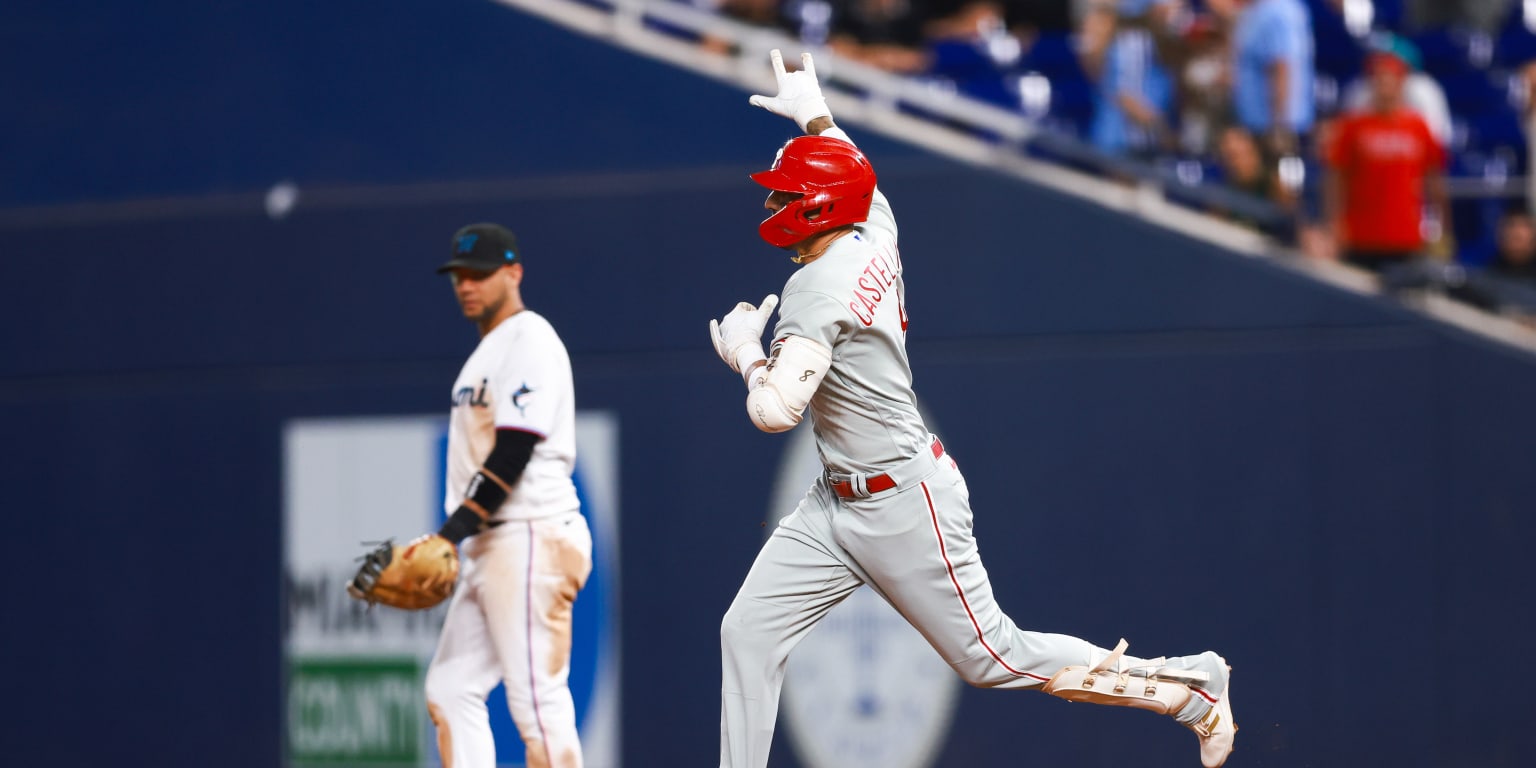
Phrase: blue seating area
(1479, 73)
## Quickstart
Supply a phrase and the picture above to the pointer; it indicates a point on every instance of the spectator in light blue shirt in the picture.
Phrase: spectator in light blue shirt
(1272, 80)
(1134, 94)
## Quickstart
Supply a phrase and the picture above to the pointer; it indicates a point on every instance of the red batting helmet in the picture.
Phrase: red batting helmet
(835, 183)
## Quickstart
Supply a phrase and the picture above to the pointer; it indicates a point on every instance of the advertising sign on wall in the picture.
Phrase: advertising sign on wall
(354, 674)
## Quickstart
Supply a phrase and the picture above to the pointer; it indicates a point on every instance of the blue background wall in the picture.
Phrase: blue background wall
(1337, 490)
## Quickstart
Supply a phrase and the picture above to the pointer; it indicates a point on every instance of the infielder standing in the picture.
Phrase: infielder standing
(511, 451)
(892, 509)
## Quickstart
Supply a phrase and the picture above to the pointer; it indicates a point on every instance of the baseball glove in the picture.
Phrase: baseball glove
(414, 577)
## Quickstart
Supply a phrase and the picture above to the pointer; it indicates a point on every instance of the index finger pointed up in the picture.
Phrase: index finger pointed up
(778, 65)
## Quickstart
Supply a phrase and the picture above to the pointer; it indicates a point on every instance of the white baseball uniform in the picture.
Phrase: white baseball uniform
(891, 511)
(510, 618)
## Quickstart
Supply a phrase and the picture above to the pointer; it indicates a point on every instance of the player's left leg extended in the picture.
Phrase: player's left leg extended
(916, 546)
(797, 578)
(536, 569)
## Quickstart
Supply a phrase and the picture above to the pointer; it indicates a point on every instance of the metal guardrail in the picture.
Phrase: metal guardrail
(637, 20)
(914, 109)
(1483, 187)
(953, 125)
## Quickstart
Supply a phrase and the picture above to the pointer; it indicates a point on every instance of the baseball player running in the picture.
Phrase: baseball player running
(527, 549)
(892, 509)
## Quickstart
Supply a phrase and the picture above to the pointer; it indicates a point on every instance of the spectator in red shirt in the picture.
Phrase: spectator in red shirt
(1382, 165)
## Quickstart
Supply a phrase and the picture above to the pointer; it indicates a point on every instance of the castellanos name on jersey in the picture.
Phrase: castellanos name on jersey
(519, 378)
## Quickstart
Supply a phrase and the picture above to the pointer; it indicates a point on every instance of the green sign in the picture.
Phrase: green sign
(355, 711)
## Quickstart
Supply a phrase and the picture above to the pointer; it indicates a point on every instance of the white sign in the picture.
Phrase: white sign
(354, 688)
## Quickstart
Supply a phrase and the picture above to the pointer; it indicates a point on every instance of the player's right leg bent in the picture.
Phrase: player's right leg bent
(797, 578)
(462, 673)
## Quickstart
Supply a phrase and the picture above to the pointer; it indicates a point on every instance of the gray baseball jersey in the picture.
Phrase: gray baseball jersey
(892, 511)
(851, 300)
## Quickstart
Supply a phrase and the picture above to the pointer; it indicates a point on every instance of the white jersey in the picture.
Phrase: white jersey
(518, 378)
(851, 301)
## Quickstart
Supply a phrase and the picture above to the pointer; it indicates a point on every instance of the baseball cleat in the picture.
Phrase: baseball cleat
(1216, 729)
(1156, 686)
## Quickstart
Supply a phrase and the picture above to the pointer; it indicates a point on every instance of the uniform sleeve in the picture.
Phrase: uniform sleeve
(529, 387)
(814, 316)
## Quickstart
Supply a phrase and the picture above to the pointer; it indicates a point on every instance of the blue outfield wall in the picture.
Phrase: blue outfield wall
(1163, 441)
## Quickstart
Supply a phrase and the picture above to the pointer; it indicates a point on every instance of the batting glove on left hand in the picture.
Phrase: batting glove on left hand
(799, 97)
(740, 334)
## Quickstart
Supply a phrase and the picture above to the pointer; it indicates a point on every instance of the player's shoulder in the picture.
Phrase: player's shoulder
(1413, 118)
(852, 251)
(525, 327)
(532, 320)
(879, 230)
(540, 327)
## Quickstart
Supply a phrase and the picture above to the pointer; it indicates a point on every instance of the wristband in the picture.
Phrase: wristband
(485, 495)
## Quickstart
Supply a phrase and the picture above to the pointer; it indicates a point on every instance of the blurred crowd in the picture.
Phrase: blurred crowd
(1386, 132)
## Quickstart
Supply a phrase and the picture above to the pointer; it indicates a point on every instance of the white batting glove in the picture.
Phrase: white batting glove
(799, 96)
(739, 337)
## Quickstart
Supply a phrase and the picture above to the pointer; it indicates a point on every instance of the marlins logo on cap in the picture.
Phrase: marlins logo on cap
(482, 247)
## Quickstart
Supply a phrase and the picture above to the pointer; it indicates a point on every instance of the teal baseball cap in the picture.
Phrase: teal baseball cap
(1396, 46)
